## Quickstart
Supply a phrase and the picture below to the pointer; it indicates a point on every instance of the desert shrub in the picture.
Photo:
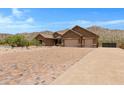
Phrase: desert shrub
(35, 42)
(2, 42)
(25, 43)
(10, 40)
(17, 41)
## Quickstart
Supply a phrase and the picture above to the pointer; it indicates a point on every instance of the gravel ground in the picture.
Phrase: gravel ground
(36, 66)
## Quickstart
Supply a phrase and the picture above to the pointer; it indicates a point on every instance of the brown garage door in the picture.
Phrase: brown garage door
(89, 43)
(72, 43)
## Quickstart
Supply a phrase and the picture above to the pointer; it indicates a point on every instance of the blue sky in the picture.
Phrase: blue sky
(18, 20)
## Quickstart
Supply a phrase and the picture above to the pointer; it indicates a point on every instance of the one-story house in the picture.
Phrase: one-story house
(75, 37)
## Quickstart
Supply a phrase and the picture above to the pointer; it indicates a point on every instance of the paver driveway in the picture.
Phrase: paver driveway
(101, 66)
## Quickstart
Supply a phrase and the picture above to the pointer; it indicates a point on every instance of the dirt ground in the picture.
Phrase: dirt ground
(104, 66)
(37, 65)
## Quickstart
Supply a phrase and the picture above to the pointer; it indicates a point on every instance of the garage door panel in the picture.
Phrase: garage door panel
(88, 42)
(72, 43)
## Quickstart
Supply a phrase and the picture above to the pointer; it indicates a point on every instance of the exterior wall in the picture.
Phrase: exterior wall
(46, 41)
(83, 43)
(84, 32)
(55, 35)
(49, 42)
(95, 40)
(71, 35)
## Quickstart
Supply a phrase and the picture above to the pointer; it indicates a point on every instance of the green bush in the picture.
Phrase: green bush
(35, 42)
(20, 41)
(2, 42)
(17, 41)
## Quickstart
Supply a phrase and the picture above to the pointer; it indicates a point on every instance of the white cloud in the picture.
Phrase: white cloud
(5, 19)
(86, 22)
(9, 20)
(30, 20)
(70, 22)
(16, 12)
(113, 22)
(14, 23)
(25, 25)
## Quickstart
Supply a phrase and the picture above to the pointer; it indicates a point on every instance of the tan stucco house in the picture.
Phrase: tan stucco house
(75, 37)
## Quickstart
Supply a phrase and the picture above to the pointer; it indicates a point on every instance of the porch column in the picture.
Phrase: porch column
(81, 41)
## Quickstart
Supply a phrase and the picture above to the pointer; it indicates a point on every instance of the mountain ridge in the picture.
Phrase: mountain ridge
(101, 31)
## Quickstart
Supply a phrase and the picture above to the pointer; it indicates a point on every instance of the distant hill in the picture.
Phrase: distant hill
(104, 31)
(4, 35)
(28, 36)
(32, 35)
(108, 35)
(105, 35)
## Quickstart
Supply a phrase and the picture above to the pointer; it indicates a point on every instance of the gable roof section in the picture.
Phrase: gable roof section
(83, 32)
(73, 32)
(76, 32)
(56, 33)
(50, 36)
(47, 35)
(62, 31)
